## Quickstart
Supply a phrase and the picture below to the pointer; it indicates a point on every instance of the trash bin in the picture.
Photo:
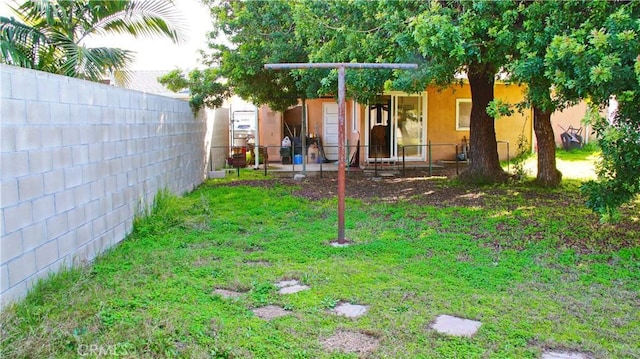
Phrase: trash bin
(297, 146)
(239, 157)
(285, 155)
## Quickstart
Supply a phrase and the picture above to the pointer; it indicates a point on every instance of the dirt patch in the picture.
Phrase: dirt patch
(351, 342)
(418, 188)
(270, 312)
(253, 249)
(205, 261)
(415, 187)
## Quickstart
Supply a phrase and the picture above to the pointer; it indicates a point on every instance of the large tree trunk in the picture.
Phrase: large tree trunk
(483, 148)
(548, 174)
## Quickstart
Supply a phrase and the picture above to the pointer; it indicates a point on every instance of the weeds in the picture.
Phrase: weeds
(522, 155)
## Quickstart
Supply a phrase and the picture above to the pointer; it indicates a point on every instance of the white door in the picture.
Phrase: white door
(330, 130)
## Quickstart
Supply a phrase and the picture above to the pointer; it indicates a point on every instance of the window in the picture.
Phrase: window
(463, 114)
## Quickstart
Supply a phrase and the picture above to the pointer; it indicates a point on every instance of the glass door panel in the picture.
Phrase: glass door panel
(410, 127)
(396, 122)
(380, 128)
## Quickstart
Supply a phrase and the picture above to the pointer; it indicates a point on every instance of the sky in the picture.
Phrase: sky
(159, 54)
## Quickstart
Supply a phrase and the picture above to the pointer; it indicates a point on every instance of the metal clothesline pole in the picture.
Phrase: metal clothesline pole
(340, 66)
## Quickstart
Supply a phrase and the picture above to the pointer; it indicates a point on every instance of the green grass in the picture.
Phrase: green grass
(537, 273)
(588, 152)
(574, 164)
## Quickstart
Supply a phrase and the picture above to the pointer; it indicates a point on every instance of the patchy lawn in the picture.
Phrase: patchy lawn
(574, 164)
(198, 277)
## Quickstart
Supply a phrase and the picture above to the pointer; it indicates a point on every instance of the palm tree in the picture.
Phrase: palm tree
(49, 35)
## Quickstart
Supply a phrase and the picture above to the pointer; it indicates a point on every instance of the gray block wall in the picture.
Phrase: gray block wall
(78, 160)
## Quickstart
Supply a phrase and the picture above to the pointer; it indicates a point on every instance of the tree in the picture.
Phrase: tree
(472, 37)
(366, 31)
(599, 61)
(205, 86)
(360, 31)
(50, 35)
(256, 33)
(308, 31)
(541, 20)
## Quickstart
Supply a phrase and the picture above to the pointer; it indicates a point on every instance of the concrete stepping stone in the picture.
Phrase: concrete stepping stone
(351, 342)
(293, 289)
(291, 286)
(460, 327)
(270, 312)
(563, 355)
(350, 310)
(287, 283)
(225, 293)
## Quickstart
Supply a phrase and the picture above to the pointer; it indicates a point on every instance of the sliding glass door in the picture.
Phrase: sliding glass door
(397, 122)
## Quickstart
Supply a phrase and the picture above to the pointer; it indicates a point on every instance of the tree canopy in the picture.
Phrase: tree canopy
(256, 33)
(540, 21)
(600, 62)
(360, 31)
(206, 87)
(50, 35)
(564, 52)
(475, 38)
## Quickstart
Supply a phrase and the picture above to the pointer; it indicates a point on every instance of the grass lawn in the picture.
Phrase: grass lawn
(574, 164)
(534, 266)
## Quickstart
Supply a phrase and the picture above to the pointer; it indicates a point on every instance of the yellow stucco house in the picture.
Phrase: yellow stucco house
(432, 125)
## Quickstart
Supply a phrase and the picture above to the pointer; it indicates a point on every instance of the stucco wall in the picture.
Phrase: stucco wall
(271, 124)
(219, 135)
(571, 116)
(78, 161)
(442, 120)
(270, 131)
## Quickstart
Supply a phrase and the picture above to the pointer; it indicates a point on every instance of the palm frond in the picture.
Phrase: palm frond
(48, 35)
(20, 43)
(150, 18)
(36, 13)
(122, 77)
(93, 64)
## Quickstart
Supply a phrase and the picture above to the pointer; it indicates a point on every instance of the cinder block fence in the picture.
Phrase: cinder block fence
(78, 161)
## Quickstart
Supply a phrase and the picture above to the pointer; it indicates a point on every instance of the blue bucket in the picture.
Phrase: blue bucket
(297, 159)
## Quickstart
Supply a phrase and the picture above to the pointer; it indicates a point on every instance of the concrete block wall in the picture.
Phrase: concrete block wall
(78, 160)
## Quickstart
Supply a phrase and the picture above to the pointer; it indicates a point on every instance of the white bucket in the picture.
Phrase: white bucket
(239, 142)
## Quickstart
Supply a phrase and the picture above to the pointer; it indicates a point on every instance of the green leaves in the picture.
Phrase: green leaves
(258, 33)
(206, 87)
(598, 38)
(498, 108)
(138, 18)
(49, 35)
(599, 62)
